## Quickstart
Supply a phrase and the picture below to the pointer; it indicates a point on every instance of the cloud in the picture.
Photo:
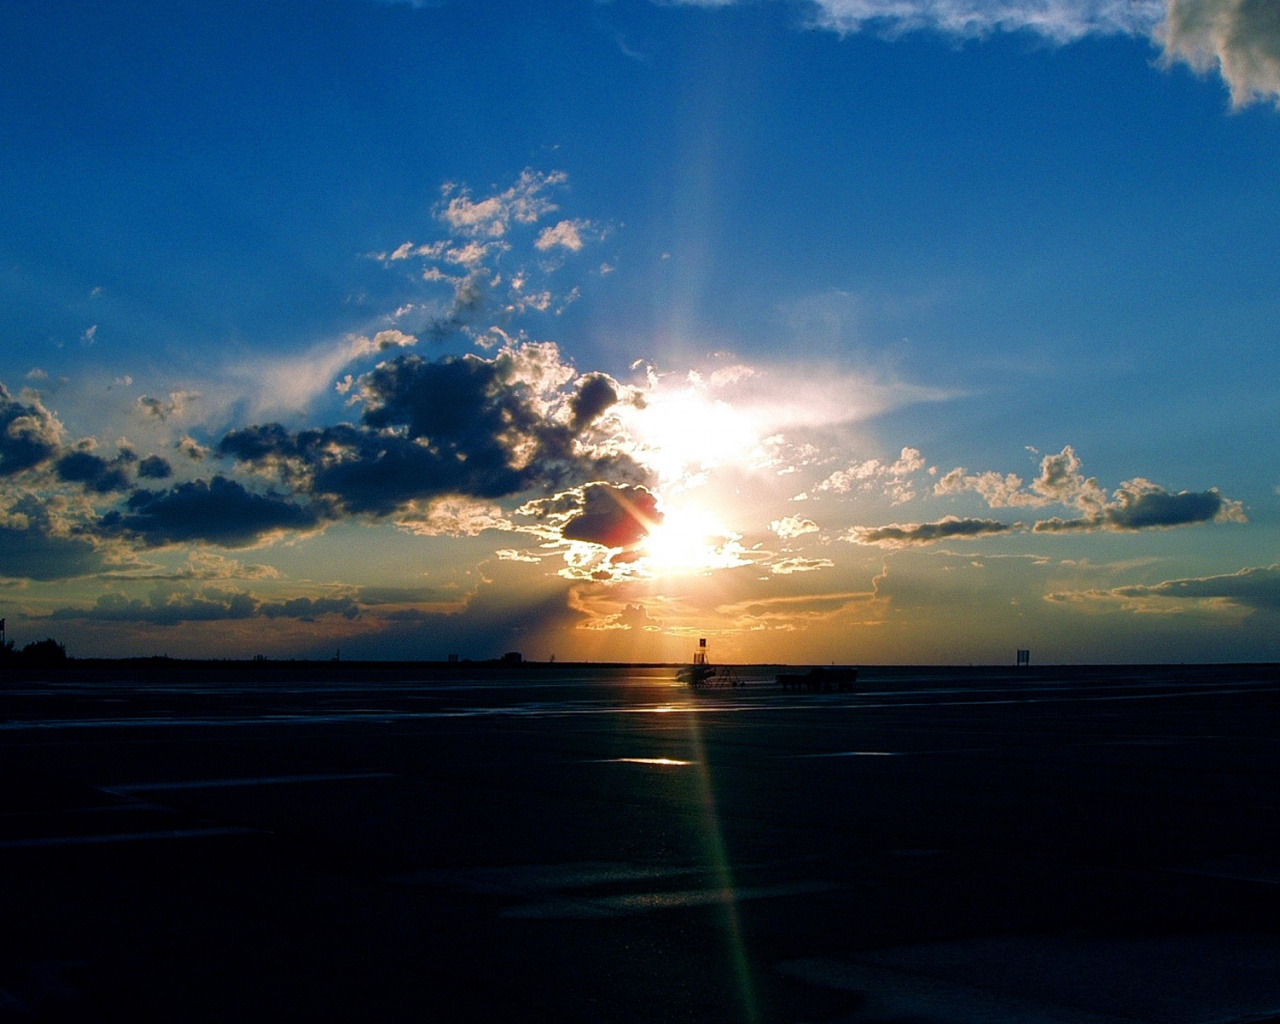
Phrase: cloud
(292, 383)
(191, 448)
(910, 534)
(525, 202)
(167, 607)
(155, 467)
(1059, 20)
(161, 409)
(1239, 38)
(490, 272)
(1257, 588)
(469, 298)
(1142, 505)
(1059, 482)
(96, 473)
(872, 474)
(37, 544)
(381, 342)
(567, 234)
(785, 612)
(208, 565)
(612, 517)
(688, 424)
(595, 394)
(452, 517)
(791, 527)
(790, 566)
(29, 433)
(1254, 588)
(461, 425)
(219, 511)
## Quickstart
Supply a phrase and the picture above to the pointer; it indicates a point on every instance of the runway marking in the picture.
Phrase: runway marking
(130, 837)
(257, 780)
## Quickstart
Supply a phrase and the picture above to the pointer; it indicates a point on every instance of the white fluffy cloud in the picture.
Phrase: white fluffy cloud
(525, 202)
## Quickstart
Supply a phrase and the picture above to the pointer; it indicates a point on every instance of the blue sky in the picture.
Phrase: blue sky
(861, 330)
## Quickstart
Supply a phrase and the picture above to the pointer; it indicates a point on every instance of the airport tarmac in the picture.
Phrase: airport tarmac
(1057, 846)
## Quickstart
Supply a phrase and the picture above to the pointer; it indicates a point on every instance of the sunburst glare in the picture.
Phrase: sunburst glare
(690, 539)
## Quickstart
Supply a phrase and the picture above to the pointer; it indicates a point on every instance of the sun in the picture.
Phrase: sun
(690, 539)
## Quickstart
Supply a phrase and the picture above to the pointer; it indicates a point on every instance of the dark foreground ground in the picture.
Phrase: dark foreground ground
(1070, 847)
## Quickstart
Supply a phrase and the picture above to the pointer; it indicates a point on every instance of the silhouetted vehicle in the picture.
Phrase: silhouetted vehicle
(701, 675)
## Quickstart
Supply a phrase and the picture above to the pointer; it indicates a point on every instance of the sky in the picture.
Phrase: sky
(856, 331)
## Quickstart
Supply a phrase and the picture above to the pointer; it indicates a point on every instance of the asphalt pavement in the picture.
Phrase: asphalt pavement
(1096, 846)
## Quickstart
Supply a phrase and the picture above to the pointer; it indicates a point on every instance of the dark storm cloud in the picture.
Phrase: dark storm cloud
(29, 435)
(907, 534)
(593, 397)
(613, 517)
(457, 426)
(1142, 506)
(219, 511)
(154, 467)
(97, 474)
